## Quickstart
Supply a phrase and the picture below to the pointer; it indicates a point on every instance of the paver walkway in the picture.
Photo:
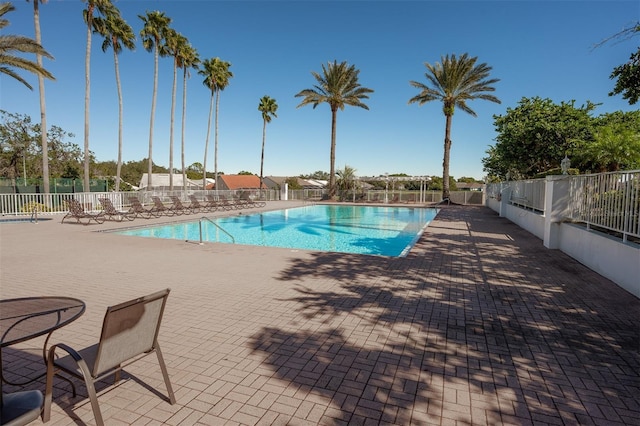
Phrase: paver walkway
(479, 325)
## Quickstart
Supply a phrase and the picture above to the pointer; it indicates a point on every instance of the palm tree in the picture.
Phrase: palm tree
(188, 58)
(454, 81)
(216, 77)
(346, 179)
(155, 27)
(268, 108)
(43, 110)
(338, 86)
(173, 44)
(117, 34)
(19, 44)
(102, 7)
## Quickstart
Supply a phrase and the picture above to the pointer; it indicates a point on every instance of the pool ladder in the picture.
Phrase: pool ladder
(233, 240)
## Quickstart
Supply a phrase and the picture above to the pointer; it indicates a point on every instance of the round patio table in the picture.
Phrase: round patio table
(30, 317)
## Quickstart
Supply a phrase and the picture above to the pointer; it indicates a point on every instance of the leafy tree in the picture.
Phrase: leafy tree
(117, 34)
(467, 179)
(245, 173)
(17, 139)
(615, 144)
(155, 27)
(19, 44)
(536, 135)
(268, 108)
(454, 81)
(21, 154)
(628, 74)
(293, 183)
(216, 78)
(337, 86)
(317, 175)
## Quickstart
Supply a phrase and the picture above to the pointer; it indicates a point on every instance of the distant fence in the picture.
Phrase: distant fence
(56, 186)
(26, 203)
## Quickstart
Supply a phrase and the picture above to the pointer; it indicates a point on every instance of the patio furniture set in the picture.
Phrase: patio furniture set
(129, 333)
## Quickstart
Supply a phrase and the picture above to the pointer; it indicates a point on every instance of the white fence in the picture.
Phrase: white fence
(28, 204)
(608, 201)
(563, 211)
(605, 201)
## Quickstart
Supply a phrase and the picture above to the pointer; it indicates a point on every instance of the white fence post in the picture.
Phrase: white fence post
(556, 204)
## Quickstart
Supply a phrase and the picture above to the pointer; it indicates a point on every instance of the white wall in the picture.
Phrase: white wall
(608, 256)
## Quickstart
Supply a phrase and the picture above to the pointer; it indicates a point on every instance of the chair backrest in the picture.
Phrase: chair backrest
(158, 202)
(108, 206)
(75, 208)
(129, 329)
(136, 205)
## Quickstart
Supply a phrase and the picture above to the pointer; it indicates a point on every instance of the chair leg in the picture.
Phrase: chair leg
(48, 393)
(93, 397)
(165, 374)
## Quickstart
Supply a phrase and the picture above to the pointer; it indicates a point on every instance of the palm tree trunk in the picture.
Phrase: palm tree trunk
(264, 136)
(173, 114)
(445, 159)
(87, 89)
(206, 146)
(215, 154)
(184, 120)
(43, 112)
(153, 113)
(120, 119)
(332, 171)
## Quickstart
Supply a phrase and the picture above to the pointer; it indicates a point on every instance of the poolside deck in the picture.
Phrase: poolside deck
(480, 324)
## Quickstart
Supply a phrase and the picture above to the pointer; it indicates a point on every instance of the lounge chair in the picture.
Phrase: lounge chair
(245, 197)
(138, 210)
(110, 212)
(196, 206)
(77, 212)
(222, 202)
(129, 333)
(159, 208)
(178, 207)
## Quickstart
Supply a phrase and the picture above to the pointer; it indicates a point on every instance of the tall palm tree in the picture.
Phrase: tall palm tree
(338, 86)
(216, 77)
(454, 81)
(174, 43)
(43, 110)
(153, 31)
(101, 7)
(188, 59)
(117, 34)
(268, 108)
(19, 44)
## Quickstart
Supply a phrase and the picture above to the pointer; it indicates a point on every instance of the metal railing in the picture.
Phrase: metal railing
(528, 194)
(233, 240)
(609, 201)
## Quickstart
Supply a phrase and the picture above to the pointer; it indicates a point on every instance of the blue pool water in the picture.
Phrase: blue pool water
(384, 231)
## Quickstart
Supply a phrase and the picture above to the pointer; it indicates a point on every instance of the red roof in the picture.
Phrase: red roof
(241, 181)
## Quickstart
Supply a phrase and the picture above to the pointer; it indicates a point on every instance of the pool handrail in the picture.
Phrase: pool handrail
(233, 240)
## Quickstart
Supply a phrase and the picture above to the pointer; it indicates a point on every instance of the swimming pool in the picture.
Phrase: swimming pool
(375, 230)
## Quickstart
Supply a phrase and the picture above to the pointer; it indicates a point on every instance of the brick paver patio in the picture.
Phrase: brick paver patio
(479, 325)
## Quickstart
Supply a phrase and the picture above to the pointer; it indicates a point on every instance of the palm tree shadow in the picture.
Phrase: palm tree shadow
(478, 309)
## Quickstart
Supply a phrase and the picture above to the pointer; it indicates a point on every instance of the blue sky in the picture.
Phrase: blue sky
(536, 48)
